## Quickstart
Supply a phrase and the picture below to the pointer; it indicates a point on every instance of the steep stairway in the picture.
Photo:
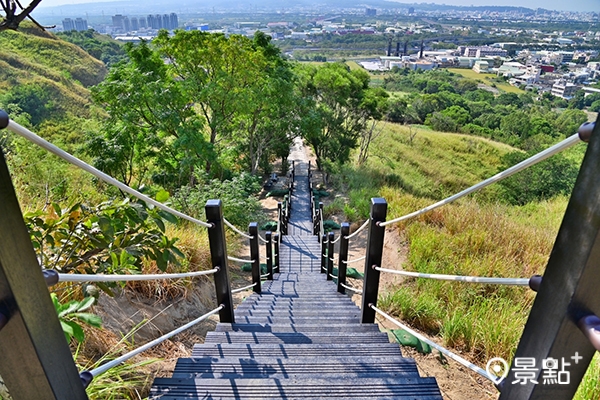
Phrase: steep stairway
(298, 339)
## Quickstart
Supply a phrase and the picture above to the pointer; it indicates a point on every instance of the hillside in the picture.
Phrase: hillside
(46, 76)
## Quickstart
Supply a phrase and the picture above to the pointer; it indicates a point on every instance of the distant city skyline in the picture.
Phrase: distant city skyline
(560, 5)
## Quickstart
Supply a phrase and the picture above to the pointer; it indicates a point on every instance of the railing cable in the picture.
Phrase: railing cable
(130, 278)
(103, 368)
(441, 349)
(27, 134)
(243, 288)
(240, 260)
(355, 260)
(460, 278)
(236, 230)
(557, 148)
(262, 239)
(356, 232)
(350, 288)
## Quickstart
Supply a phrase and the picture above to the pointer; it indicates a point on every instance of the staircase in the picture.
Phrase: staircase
(298, 339)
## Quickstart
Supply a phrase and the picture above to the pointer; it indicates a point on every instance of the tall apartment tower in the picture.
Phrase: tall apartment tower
(81, 24)
(68, 24)
(126, 24)
(134, 24)
(142, 22)
(174, 21)
(117, 21)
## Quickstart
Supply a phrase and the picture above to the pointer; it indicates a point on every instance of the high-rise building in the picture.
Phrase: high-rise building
(174, 21)
(151, 21)
(117, 21)
(166, 22)
(142, 22)
(68, 24)
(134, 24)
(81, 24)
(126, 24)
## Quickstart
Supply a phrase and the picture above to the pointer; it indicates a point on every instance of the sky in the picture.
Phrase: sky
(566, 5)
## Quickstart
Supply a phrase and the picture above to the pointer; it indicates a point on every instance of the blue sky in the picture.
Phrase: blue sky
(570, 5)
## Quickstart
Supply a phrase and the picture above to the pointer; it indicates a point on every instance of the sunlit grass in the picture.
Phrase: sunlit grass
(486, 79)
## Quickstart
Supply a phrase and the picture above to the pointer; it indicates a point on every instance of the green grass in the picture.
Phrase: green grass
(486, 79)
(479, 235)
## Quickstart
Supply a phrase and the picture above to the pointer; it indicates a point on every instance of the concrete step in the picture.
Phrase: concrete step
(298, 313)
(349, 388)
(292, 338)
(351, 348)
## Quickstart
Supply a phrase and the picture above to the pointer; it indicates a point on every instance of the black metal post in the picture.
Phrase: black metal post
(567, 293)
(269, 253)
(343, 257)
(323, 253)
(321, 219)
(218, 256)
(374, 256)
(330, 252)
(255, 256)
(35, 362)
(316, 222)
(280, 218)
(276, 251)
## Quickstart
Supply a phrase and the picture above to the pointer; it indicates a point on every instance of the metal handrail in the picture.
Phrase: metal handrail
(32, 137)
(89, 375)
(557, 148)
(460, 278)
(129, 278)
(243, 288)
(441, 349)
(236, 230)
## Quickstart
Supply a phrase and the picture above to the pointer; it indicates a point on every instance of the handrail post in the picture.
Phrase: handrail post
(321, 230)
(343, 257)
(218, 256)
(255, 256)
(280, 218)
(323, 253)
(568, 292)
(276, 251)
(330, 255)
(315, 213)
(373, 258)
(269, 254)
(35, 361)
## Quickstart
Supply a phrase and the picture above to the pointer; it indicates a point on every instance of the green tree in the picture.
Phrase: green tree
(151, 122)
(569, 121)
(343, 109)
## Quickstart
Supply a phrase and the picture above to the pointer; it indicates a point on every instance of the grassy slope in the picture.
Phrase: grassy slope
(475, 236)
(64, 71)
(486, 79)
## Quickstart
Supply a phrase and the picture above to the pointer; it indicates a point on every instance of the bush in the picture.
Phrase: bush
(240, 204)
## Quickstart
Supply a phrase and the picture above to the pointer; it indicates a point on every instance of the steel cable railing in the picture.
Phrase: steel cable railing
(240, 260)
(360, 229)
(32, 137)
(355, 260)
(87, 376)
(352, 289)
(460, 278)
(243, 288)
(441, 349)
(236, 230)
(125, 278)
(557, 148)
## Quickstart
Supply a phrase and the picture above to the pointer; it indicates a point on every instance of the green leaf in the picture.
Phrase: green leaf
(168, 216)
(160, 224)
(57, 209)
(68, 308)
(67, 330)
(162, 196)
(75, 330)
(90, 319)
(86, 303)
